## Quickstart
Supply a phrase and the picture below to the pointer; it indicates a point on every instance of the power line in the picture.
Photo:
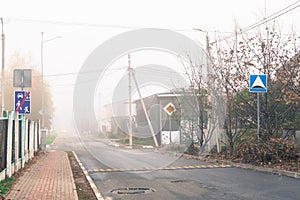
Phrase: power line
(82, 73)
(265, 20)
(83, 24)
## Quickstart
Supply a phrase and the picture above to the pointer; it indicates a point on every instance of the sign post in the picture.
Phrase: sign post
(258, 84)
(170, 108)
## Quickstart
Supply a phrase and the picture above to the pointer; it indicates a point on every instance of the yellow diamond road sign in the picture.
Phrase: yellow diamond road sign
(170, 108)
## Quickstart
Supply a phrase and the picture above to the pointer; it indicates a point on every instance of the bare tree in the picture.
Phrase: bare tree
(201, 112)
(18, 61)
(266, 52)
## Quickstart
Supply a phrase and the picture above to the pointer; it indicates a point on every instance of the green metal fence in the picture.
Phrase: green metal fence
(19, 139)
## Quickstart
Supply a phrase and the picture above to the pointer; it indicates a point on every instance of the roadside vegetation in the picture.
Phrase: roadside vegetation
(233, 59)
(17, 61)
(6, 184)
(139, 141)
(50, 138)
(83, 188)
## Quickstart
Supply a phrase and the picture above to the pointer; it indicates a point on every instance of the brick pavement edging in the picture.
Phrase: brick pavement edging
(50, 178)
(90, 180)
(248, 166)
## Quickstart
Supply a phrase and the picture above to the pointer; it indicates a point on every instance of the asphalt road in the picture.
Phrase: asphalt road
(149, 174)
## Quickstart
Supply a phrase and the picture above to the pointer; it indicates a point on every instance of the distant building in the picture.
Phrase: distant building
(166, 127)
(181, 127)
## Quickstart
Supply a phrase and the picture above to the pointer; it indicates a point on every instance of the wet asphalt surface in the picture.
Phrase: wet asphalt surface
(151, 183)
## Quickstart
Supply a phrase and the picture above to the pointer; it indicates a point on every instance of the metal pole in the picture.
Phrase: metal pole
(129, 101)
(2, 72)
(258, 119)
(160, 122)
(42, 75)
(170, 128)
(43, 131)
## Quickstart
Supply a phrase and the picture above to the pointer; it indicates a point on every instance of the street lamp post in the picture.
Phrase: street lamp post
(42, 73)
(2, 71)
(43, 138)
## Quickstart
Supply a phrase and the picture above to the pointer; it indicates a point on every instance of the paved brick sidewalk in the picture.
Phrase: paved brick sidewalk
(50, 178)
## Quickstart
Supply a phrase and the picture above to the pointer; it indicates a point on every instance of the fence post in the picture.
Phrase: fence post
(16, 142)
(26, 139)
(9, 144)
(3, 143)
(40, 135)
(31, 139)
(36, 136)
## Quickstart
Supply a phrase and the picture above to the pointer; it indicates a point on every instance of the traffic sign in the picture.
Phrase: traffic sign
(170, 108)
(22, 78)
(22, 102)
(258, 83)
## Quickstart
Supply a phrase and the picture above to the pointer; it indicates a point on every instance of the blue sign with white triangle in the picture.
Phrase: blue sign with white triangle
(258, 83)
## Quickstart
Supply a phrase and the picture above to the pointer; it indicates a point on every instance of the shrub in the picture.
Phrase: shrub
(272, 151)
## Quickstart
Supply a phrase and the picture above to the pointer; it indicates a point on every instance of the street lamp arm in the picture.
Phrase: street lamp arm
(201, 30)
(48, 40)
(42, 73)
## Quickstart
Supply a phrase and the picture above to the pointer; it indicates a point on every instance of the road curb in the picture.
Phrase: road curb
(268, 170)
(90, 180)
(248, 166)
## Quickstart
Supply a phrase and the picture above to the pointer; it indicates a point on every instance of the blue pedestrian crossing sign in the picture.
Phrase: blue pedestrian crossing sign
(22, 102)
(258, 83)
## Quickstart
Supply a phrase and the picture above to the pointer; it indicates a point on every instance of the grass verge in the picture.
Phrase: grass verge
(6, 185)
(83, 188)
(50, 138)
(139, 141)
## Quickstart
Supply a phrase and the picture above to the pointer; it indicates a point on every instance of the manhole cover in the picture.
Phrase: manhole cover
(181, 181)
(132, 190)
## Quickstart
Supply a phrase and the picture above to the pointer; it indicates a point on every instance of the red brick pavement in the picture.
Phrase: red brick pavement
(50, 178)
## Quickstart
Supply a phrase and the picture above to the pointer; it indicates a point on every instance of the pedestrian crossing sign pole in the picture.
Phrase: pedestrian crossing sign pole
(258, 84)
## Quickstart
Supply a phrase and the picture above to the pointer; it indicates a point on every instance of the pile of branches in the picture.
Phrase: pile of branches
(272, 151)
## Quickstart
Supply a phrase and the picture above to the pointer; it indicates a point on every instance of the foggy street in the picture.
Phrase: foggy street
(211, 183)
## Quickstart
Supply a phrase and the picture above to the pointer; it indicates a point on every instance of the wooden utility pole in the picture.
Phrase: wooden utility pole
(145, 110)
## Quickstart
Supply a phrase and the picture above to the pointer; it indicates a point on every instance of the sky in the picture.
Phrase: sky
(75, 28)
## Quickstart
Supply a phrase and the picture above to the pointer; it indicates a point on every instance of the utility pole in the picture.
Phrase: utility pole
(129, 101)
(2, 72)
(209, 82)
(145, 110)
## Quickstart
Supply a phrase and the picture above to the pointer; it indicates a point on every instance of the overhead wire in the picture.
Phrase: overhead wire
(273, 16)
(84, 24)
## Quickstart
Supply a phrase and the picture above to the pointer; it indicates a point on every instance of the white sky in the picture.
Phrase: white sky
(67, 54)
